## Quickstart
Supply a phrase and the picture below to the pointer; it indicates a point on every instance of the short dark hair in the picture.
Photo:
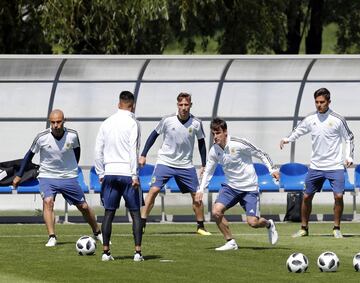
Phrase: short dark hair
(322, 92)
(183, 95)
(126, 97)
(218, 123)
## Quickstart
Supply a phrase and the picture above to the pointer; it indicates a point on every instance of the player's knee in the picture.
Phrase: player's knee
(253, 222)
(48, 203)
(154, 191)
(308, 198)
(217, 213)
(83, 206)
(338, 198)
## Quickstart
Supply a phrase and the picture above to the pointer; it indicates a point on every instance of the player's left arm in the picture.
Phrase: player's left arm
(76, 148)
(200, 134)
(134, 142)
(348, 136)
(265, 158)
(202, 150)
(77, 152)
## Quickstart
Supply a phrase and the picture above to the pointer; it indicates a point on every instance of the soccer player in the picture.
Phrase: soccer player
(116, 163)
(59, 149)
(175, 157)
(235, 156)
(328, 131)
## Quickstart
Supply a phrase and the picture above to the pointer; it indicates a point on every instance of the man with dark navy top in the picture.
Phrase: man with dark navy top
(175, 157)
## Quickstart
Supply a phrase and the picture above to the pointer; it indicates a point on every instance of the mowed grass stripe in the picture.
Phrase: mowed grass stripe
(174, 253)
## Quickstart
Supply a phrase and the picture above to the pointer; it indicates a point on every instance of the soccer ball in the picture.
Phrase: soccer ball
(356, 262)
(328, 262)
(297, 262)
(85, 245)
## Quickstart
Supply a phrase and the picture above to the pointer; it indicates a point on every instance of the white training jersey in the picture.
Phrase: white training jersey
(57, 157)
(117, 145)
(328, 131)
(178, 140)
(236, 161)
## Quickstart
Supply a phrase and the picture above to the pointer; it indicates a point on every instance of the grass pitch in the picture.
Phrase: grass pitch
(174, 253)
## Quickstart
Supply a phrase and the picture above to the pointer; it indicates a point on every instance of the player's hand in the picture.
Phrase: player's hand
(199, 196)
(16, 181)
(101, 180)
(276, 175)
(282, 143)
(201, 172)
(348, 163)
(135, 183)
(142, 161)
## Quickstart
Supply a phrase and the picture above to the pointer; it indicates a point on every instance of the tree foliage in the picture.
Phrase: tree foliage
(20, 29)
(106, 27)
(148, 26)
(347, 16)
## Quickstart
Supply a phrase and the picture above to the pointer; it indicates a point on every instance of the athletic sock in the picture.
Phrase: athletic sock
(138, 252)
(107, 252)
(228, 240)
(336, 228)
(304, 228)
(97, 233)
(52, 236)
(200, 225)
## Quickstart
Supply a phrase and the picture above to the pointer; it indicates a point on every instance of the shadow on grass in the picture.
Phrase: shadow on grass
(332, 236)
(253, 248)
(146, 257)
(65, 243)
(172, 233)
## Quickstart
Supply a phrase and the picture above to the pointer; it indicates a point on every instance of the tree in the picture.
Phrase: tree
(346, 14)
(239, 26)
(314, 37)
(20, 29)
(106, 27)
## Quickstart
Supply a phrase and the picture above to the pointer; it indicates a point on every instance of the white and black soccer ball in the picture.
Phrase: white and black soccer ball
(85, 245)
(328, 262)
(297, 262)
(356, 262)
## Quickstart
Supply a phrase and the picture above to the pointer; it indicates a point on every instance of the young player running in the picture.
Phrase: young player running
(235, 156)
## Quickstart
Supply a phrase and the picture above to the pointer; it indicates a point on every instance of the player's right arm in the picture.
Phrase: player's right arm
(35, 148)
(149, 143)
(207, 175)
(26, 160)
(99, 154)
(300, 130)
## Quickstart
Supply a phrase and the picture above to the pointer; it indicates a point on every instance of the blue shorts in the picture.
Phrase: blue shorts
(315, 179)
(113, 187)
(249, 201)
(69, 188)
(185, 178)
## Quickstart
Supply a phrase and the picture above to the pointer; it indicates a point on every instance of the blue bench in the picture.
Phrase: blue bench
(265, 180)
(6, 190)
(292, 176)
(94, 181)
(145, 176)
(32, 186)
(217, 179)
